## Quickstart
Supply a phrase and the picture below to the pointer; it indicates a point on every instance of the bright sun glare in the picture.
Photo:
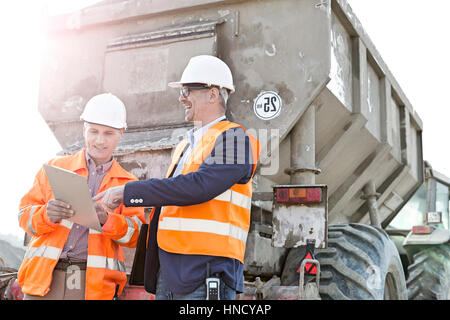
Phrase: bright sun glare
(27, 141)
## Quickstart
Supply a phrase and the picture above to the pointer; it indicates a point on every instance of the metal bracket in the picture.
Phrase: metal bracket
(170, 34)
(304, 294)
(291, 171)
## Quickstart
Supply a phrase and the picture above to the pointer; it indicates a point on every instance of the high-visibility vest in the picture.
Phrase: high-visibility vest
(105, 261)
(218, 227)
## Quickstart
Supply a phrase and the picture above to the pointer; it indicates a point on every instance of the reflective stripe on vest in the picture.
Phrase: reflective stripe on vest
(235, 198)
(29, 225)
(129, 234)
(96, 261)
(21, 212)
(202, 225)
(47, 251)
(105, 263)
(44, 252)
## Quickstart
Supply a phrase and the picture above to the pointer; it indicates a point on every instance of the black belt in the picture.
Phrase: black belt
(64, 264)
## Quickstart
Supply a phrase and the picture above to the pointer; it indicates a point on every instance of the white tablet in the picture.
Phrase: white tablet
(73, 189)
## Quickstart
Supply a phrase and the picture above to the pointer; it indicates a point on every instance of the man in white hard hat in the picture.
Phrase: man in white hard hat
(65, 260)
(200, 222)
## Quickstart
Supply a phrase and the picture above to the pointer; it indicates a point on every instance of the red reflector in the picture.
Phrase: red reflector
(299, 195)
(310, 269)
(421, 230)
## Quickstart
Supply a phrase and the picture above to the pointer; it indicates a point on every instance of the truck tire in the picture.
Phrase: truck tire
(360, 263)
(429, 274)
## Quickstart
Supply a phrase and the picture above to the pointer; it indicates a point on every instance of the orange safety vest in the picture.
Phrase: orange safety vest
(105, 261)
(218, 227)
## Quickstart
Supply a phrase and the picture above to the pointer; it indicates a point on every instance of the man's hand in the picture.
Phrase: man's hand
(112, 198)
(101, 213)
(57, 210)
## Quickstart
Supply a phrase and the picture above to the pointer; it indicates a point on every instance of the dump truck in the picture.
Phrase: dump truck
(341, 145)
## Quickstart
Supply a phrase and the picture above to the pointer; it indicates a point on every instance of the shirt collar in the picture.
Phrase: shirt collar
(194, 135)
(102, 168)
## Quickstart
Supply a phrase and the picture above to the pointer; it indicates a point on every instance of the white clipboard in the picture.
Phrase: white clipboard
(73, 189)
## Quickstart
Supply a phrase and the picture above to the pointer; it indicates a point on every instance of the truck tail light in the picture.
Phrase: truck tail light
(299, 195)
(421, 230)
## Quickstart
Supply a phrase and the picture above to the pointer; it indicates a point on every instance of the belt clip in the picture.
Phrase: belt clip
(212, 285)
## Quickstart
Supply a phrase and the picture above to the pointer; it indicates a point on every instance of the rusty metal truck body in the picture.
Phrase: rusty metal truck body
(341, 122)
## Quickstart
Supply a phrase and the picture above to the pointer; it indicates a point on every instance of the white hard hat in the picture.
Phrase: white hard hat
(206, 69)
(105, 109)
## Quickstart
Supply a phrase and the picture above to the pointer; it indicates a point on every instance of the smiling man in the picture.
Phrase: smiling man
(65, 260)
(201, 219)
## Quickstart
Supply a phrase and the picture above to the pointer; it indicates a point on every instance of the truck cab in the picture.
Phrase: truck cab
(421, 234)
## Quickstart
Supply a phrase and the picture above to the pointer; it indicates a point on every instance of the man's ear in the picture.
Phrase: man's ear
(213, 95)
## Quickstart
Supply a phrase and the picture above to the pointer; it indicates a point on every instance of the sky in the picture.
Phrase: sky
(411, 36)
(26, 140)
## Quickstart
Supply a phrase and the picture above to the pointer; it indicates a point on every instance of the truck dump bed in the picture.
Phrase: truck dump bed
(309, 52)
